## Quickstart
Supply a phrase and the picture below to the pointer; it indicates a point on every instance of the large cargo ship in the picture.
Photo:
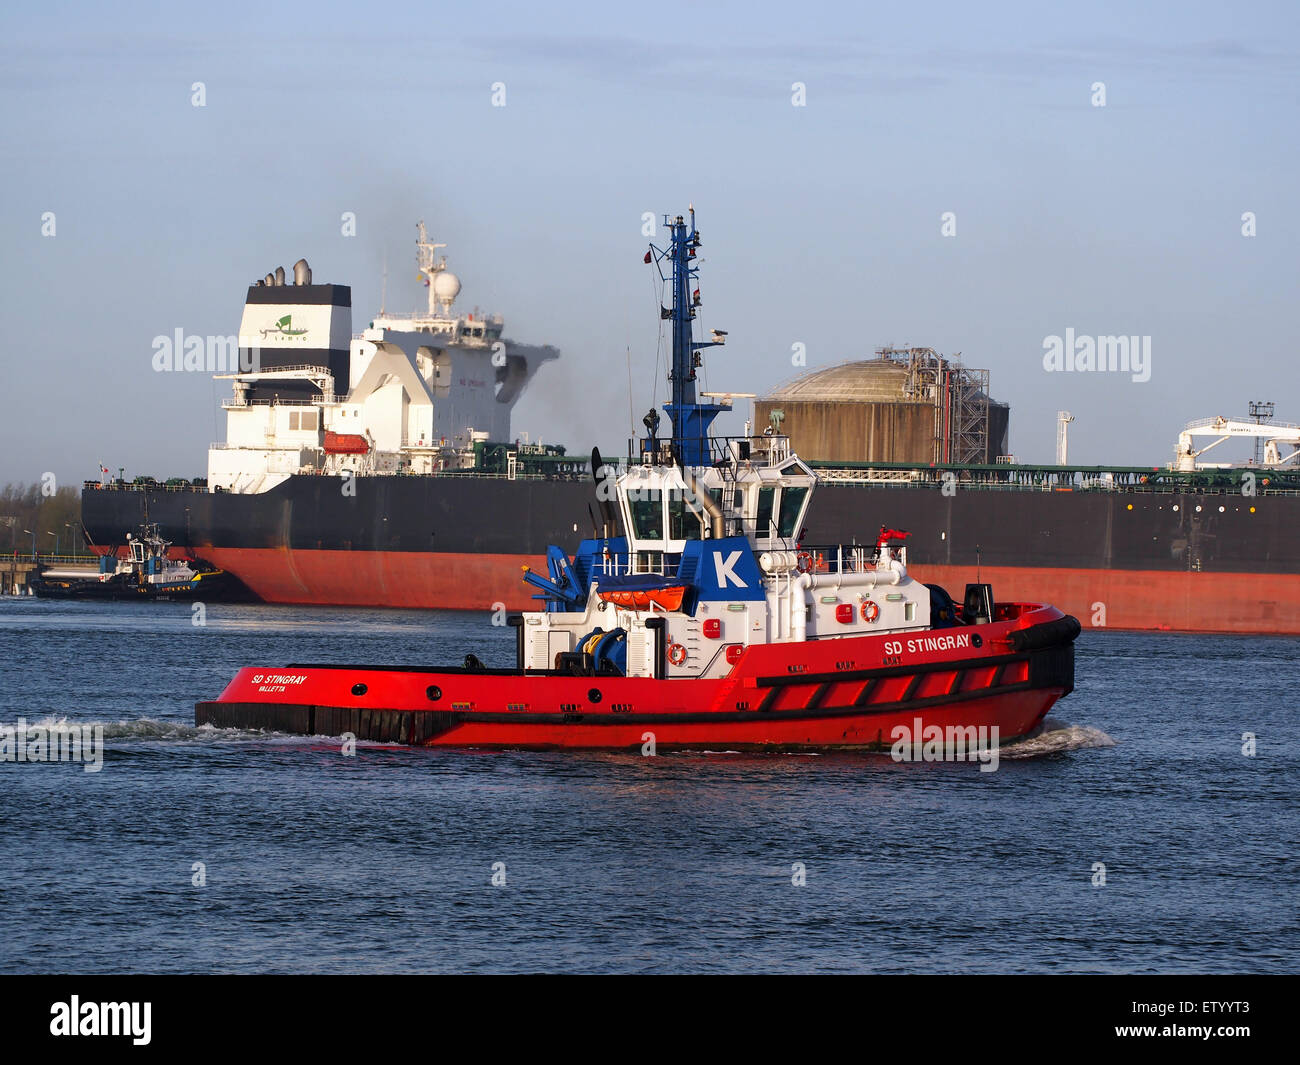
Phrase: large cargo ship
(379, 469)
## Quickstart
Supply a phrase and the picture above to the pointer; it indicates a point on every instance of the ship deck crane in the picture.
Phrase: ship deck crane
(1275, 437)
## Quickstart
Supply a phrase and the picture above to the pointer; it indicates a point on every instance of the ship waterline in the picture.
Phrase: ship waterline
(1117, 599)
(460, 543)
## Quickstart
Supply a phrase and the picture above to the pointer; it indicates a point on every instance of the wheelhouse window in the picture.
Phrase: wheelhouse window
(763, 523)
(791, 504)
(647, 514)
(683, 522)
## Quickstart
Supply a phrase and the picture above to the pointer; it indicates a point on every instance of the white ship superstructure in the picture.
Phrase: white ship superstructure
(411, 393)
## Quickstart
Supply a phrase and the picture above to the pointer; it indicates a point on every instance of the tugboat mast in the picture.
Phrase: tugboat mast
(691, 420)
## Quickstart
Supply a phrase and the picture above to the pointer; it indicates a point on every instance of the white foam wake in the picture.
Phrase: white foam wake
(142, 728)
(1055, 737)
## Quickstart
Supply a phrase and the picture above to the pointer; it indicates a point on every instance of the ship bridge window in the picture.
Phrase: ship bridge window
(303, 419)
(791, 504)
(763, 524)
(684, 521)
(647, 514)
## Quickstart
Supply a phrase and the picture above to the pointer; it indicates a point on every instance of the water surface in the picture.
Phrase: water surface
(384, 862)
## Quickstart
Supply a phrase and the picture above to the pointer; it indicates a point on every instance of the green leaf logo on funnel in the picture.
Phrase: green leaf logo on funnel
(284, 327)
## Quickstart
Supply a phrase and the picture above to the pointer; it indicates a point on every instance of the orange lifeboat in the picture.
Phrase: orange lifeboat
(346, 444)
(666, 598)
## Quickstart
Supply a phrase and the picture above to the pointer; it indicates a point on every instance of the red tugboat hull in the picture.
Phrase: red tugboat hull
(852, 692)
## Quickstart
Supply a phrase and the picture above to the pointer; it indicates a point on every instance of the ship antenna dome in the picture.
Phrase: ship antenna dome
(446, 287)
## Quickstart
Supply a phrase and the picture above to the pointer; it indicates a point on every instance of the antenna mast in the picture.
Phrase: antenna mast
(430, 263)
(691, 420)
(1260, 412)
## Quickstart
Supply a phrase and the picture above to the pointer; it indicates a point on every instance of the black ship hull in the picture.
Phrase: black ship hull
(1187, 560)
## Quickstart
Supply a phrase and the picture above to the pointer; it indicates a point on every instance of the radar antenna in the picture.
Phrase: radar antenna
(443, 285)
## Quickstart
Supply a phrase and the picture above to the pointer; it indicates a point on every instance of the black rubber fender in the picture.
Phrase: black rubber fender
(1048, 634)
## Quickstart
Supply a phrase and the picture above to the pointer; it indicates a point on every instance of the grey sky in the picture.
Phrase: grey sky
(821, 224)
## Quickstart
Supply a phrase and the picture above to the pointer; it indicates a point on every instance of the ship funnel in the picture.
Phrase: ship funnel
(279, 275)
(269, 279)
(301, 273)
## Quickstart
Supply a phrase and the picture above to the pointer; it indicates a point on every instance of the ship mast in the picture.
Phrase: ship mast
(431, 264)
(691, 419)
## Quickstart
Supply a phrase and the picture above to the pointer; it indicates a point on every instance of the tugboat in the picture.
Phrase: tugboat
(144, 573)
(699, 615)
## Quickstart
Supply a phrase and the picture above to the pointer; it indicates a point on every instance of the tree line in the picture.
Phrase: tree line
(49, 520)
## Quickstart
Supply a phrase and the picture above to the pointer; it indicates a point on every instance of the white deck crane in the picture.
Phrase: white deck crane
(1276, 437)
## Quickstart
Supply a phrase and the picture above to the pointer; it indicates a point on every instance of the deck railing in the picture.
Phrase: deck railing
(824, 476)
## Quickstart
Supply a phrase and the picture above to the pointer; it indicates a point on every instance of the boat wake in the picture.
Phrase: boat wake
(152, 728)
(1052, 737)
(1056, 737)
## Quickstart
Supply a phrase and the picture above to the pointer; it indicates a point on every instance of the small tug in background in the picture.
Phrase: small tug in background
(697, 616)
(144, 572)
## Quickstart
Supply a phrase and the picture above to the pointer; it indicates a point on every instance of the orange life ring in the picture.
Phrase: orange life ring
(870, 611)
(805, 562)
(676, 653)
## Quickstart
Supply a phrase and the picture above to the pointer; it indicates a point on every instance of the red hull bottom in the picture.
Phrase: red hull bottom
(999, 717)
(1119, 599)
(1012, 715)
